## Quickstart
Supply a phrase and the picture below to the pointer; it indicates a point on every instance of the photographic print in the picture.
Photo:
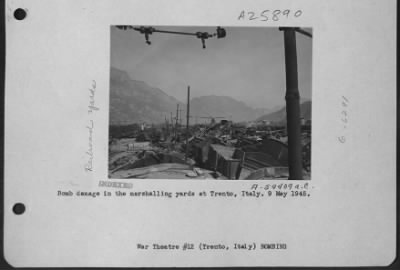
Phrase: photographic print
(261, 108)
(209, 103)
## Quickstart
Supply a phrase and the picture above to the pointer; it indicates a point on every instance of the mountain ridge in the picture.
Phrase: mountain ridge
(279, 116)
(134, 101)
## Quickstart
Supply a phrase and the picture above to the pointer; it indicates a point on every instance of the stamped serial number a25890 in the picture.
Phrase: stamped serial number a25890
(269, 14)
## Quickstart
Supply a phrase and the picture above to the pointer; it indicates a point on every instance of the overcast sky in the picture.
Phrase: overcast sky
(247, 65)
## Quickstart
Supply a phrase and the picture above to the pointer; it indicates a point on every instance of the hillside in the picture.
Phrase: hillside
(134, 101)
(223, 106)
(280, 115)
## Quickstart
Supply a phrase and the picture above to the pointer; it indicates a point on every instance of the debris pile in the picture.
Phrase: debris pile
(223, 150)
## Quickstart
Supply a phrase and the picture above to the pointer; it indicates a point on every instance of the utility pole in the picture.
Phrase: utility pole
(187, 123)
(176, 123)
(172, 124)
(180, 118)
(166, 125)
(292, 105)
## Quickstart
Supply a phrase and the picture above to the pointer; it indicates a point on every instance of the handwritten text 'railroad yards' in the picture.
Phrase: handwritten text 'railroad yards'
(91, 108)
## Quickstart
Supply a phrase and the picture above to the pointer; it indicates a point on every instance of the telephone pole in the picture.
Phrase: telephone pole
(187, 123)
(172, 123)
(180, 118)
(176, 122)
(166, 125)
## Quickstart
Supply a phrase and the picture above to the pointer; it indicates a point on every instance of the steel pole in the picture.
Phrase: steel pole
(187, 123)
(292, 106)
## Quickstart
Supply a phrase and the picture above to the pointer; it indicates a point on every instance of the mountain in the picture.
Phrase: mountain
(133, 101)
(280, 115)
(222, 106)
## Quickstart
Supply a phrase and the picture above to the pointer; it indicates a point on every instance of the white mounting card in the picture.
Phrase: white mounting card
(68, 73)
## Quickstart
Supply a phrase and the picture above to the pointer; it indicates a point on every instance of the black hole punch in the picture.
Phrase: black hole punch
(18, 208)
(19, 14)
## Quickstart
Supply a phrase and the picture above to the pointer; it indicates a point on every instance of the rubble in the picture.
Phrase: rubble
(221, 150)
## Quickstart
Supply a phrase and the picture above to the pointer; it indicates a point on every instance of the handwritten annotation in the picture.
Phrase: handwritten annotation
(269, 15)
(344, 118)
(90, 128)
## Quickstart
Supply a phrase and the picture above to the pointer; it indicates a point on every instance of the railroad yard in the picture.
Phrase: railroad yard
(219, 150)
